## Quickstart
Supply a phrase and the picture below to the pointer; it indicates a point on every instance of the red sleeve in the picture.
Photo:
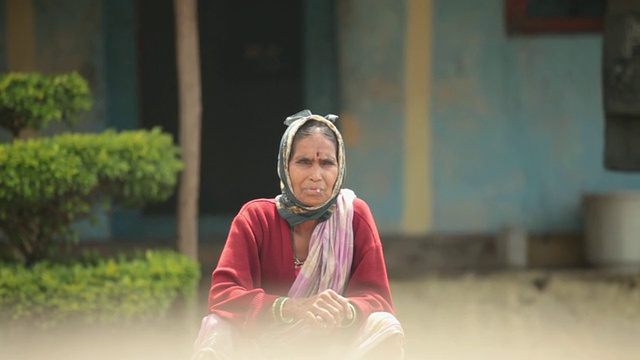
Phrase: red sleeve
(236, 292)
(368, 288)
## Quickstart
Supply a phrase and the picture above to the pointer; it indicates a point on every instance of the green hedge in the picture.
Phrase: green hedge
(49, 183)
(136, 166)
(32, 100)
(102, 291)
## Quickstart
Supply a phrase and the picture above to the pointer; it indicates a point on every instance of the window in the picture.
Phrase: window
(544, 16)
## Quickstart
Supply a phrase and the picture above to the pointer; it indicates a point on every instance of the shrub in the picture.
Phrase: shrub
(48, 183)
(103, 291)
(32, 100)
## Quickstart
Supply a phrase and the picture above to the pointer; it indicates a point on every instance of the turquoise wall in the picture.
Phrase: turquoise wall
(371, 48)
(321, 59)
(119, 39)
(122, 88)
(517, 124)
(68, 35)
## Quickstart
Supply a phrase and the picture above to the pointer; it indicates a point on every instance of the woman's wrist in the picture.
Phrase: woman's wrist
(350, 320)
(277, 309)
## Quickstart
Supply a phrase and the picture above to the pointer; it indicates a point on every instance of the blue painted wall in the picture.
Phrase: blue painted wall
(119, 39)
(68, 37)
(371, 48)
(517, 124)
(321, 59)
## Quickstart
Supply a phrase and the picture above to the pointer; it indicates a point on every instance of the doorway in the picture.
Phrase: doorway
(251, 55)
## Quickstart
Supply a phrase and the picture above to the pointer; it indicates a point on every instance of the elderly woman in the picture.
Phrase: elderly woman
(303, 275)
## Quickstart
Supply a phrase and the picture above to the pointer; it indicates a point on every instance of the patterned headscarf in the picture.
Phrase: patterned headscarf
(289, 207)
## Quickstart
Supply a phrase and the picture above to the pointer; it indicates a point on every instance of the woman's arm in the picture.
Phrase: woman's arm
(236, 293)
(368, 289)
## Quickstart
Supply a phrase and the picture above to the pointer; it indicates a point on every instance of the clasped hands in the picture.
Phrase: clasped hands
(324, 311)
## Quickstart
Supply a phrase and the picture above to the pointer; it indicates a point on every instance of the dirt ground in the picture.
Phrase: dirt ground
(499, 315)
(521, 315)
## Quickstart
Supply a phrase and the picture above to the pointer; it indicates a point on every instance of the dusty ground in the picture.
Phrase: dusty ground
(528, 315)
(502, 315)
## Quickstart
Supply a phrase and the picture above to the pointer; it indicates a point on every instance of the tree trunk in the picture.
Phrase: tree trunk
(188, 62)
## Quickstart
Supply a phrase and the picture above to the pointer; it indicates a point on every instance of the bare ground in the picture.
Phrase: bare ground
(521, 315)
(500, 315)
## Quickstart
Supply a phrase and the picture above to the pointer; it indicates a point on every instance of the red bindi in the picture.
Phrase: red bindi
(318, 154)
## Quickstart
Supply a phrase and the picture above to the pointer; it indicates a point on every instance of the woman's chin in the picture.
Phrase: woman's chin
(313, 200)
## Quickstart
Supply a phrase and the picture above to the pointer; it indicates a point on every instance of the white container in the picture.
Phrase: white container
(612, 228)
(512, 246)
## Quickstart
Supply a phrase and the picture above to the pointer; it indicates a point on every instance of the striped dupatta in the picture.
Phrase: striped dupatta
(330, 252)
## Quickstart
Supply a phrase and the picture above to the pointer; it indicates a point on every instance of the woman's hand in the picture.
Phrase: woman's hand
(324, 311)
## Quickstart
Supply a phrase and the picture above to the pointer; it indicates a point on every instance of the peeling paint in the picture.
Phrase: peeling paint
(350, 129)
(384, 89)
(463, 93)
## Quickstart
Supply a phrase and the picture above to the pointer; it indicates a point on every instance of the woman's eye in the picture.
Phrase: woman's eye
(328, 162)
(303, 161)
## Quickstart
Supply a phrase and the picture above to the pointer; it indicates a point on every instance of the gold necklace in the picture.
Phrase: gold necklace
(297, 263)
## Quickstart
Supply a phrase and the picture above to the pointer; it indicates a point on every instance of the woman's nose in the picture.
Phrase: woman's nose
(315, 173)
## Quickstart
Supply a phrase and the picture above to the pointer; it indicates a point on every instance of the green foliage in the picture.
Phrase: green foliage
(48, 183)
(32, 100)
(106, 290)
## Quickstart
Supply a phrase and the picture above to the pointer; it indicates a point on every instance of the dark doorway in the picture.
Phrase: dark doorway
(251, 65)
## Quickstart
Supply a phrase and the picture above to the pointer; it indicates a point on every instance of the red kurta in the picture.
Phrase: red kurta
(256, 266)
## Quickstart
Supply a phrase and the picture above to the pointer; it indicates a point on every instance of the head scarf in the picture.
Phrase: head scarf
(289, 207)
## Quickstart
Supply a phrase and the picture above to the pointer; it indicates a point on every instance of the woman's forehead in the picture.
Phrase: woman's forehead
(314, 143)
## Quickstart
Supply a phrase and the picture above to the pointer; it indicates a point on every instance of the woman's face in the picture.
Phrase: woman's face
(313, 169)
